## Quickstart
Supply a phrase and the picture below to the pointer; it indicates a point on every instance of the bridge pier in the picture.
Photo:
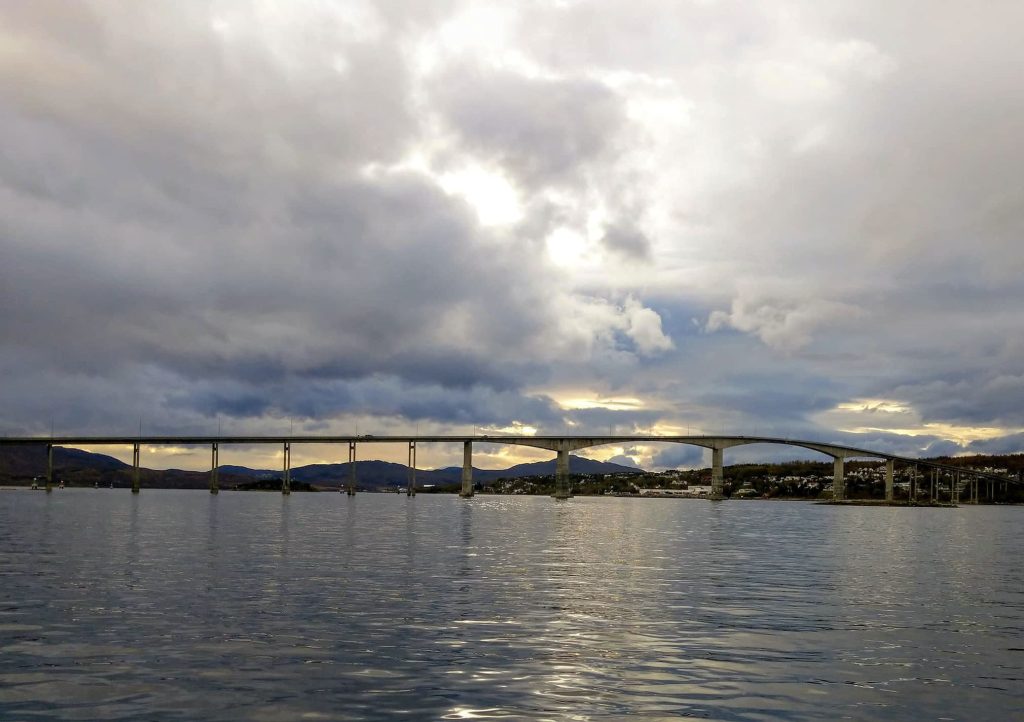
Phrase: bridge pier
(135, 468)
(286, 480)
(410, 490)
(49, 469)
(717, 474)
(562, 490)
(351, 491)
(467, 470)
(214, 468)
(838, 479)
(890, 468)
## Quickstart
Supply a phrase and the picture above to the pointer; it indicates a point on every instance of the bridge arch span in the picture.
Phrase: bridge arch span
(563, 446)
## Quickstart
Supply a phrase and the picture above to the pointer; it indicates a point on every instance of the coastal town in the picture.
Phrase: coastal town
(793, 480)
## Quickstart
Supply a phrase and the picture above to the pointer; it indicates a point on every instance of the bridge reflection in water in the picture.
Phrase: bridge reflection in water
(955, 478)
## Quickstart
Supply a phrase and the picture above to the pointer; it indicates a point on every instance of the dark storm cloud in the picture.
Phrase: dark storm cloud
(230, 402)
(388, 396)
(373, 291)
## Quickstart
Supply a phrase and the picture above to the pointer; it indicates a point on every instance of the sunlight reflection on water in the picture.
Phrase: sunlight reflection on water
(179, 605)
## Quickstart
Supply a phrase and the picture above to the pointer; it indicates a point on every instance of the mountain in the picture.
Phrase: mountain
(577, 465)
(19, 464)
(28, 461)
(246, 471)
(385, 474)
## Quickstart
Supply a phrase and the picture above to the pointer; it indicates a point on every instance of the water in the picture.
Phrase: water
(175, 605)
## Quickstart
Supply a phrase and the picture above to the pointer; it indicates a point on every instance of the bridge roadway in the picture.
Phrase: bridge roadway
(561, 445)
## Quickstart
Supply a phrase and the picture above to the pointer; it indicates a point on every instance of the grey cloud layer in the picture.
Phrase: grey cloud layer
(205, 222)
(542, 131)
(204, 211)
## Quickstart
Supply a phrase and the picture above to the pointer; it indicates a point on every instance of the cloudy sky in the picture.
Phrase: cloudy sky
(660, 216)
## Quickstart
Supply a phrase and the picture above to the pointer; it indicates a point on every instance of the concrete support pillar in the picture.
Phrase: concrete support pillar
(49, 468)
(717, 474)
(838, 479)
(135, 468)
(214, 468)
(286, 477)
(467, 470)
(562, 490)
(351, 468)
(931, 493)
(410, 489)
(913, 486)
(890, 468)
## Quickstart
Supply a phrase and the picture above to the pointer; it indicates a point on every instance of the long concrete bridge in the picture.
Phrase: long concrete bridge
(958, 477)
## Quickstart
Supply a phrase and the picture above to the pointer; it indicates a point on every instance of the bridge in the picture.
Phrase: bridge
(957, 477)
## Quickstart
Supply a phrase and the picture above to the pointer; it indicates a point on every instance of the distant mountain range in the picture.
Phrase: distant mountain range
(19, 464)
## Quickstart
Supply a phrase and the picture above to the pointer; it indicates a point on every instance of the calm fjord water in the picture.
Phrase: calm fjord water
(175, 605)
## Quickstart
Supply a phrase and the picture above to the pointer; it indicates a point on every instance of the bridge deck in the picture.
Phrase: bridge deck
(550, 442)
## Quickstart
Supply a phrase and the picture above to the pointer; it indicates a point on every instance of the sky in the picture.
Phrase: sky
(798, 219)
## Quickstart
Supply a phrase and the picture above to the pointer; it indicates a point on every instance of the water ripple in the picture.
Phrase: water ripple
(181, 606)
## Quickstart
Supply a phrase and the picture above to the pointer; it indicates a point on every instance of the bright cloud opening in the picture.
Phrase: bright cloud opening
(566, 247)
(622, 403)
(515, 428)
(494, 199)
(867, 416)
